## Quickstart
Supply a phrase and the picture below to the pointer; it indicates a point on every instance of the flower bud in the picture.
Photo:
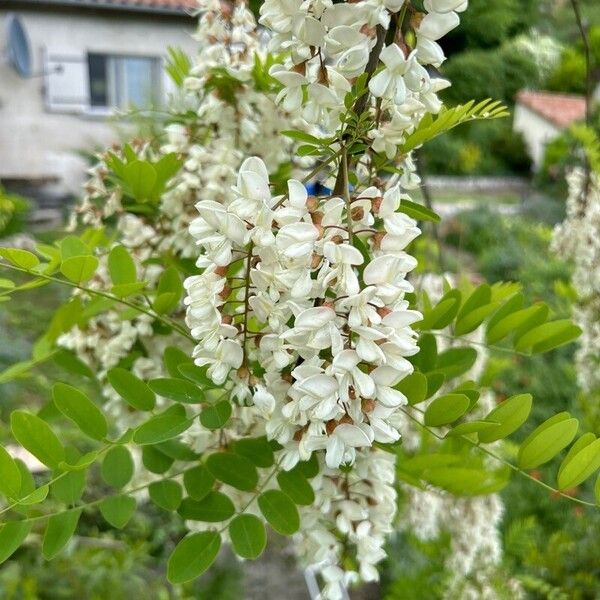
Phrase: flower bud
(243, 372)
(312, 203)
(367, 405)
(357, 213)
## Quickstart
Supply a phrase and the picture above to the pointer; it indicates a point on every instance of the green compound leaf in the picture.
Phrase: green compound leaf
(418, 211)
(10, 475)
(117, 510)
(20, 258)
(216, 417)
(77, 407)
(69, 488)
(59, 531)
(166, 494)
(174, 358)
(117, 467)
(509, 415)
(548, 336)
(12, 535)
(296, 486)
(280, 512)
(121, 266)
(198, 481)
(163, 427)
(545, 442)
(179, 390)
(35, 435)
(213, 508)
(248, 536)
(234, 470)
(256, 450)
(79, 269)
(132, 389)
(414, 387)
(446, 409)
(193, 555)
(576, 469)
(197, 375)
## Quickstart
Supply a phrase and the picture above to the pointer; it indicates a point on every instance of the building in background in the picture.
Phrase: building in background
(89, 59)
(542, 116)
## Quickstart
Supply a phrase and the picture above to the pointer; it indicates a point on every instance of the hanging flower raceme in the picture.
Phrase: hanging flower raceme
(316, 331)
(576, 238)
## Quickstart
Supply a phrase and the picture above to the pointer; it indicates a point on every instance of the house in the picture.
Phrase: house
(89, 59)
(542, 116)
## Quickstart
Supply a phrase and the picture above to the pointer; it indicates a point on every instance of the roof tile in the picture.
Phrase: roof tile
(560, 109)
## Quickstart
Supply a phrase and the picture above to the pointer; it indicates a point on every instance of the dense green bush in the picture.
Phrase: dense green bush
(570, 73)
(13, 213)
(491, 149)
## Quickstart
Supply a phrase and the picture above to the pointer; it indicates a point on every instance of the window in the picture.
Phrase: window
(124, 81)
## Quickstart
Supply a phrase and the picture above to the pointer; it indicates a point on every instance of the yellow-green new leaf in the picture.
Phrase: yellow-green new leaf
(193, 555)
(59, 531)
(20, 258)
(545, 442)
(79, 269)
(121, 266)
(77, 407)
(576, 469)
(548, 336)
(513, 321)
(414, 387)
(446, 409)
(509, 415)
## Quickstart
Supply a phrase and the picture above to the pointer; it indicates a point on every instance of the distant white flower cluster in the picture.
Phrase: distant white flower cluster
(329, 45)
(576, 238)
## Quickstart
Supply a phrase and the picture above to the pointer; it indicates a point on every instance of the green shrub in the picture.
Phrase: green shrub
(13, 213)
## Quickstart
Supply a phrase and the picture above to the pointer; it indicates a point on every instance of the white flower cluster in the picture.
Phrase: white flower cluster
(577, 239)
(281, 288)
(329, 45)
(284, 287)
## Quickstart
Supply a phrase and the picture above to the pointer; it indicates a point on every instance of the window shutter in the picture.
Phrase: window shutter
(66, 81)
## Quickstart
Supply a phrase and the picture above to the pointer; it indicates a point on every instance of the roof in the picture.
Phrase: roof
(561, 110)
(174, 7)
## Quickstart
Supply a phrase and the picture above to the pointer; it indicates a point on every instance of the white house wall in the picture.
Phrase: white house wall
(537, 133)
(42, 145)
